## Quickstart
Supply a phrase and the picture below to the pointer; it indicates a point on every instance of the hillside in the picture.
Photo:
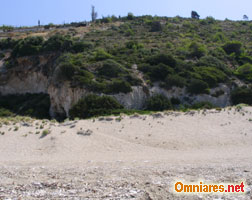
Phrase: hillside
(190, 62)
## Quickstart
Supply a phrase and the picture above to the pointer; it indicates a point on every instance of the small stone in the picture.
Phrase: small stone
(85, 133)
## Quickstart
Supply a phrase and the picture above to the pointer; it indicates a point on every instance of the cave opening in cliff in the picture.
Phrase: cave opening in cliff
(32, 105)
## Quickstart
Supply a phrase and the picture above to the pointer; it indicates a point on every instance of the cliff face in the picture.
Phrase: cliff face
(27, 78)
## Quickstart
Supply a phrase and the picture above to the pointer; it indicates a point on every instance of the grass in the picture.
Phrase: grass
(45, 133)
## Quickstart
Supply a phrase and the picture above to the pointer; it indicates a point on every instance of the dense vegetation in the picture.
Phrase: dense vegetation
(34, 105)
(242, 95)
(197, 54)
(158, 103)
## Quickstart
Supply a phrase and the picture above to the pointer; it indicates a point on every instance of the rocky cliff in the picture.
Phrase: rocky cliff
(35, 76)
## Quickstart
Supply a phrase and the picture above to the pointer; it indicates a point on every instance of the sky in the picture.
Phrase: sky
(28, 12)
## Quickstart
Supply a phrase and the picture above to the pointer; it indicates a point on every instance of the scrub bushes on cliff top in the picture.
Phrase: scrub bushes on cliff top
(8, 43)
(28, 46)
(71, 67)
(36, 45)
(93, 106)
(58, 43)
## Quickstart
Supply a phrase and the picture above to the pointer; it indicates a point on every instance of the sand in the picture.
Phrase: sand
(126, 157)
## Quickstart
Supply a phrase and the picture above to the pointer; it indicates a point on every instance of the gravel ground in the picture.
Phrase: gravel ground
(116, 181)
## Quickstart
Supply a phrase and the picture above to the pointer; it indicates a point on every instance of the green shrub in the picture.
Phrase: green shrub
(5, 113)
(134, 45)
(129, 32)
(81, 46)
(101, 54)
(158, 103)
(169, 45)
(218, 53)
(174, 80)
(8, 43)
(219, 37)
(211, 61)
(111, 69)
(211, 75)
(58, 42)
(48, 26)
(133, 80)
(45, 133)
(157, 72)
(106, 20)
(28, 46)
(67, 71)
(233, 47)
(210, 20)
(6, 28)
(71, 67)
(130, 16)
(166, 59)
(242, 95)
(118, 86)
(198, 87)
(245, 72)
(93, 105)
(244, 59)
(196, 50)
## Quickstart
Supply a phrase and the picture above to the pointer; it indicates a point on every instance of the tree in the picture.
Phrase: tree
(195, 15)
(93, 14)
(130, 16)
(245, 17)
